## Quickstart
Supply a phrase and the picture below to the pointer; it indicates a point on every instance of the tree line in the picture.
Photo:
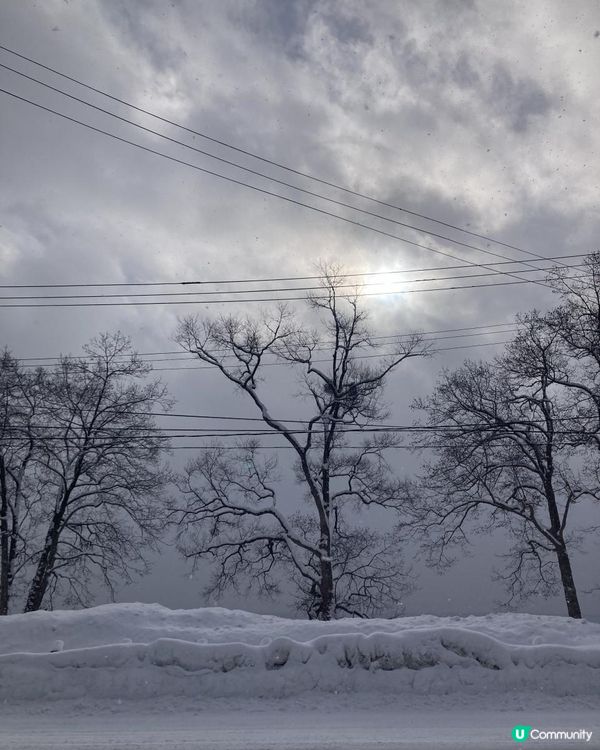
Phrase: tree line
(512, 443)
(81, 480)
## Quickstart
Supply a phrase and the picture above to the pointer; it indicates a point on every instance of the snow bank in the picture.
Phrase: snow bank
(142, 651)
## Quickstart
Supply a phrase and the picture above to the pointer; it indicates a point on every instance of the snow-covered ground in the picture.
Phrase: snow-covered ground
(213, 677)
(310, 725)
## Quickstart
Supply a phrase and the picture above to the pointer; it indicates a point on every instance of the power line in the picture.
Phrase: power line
(323, 421)
(261, 190)
(327, 348)
(216, 282)
(230, 417)
(261, 174)
(315, 361)
(267, 290)
(226, 431)
(320, 361)
(365, 356)
(216, 432)
(184, 355)
(290, 448)
(394, 336)
(166, 439)
(263, 299)
(262, 158)
(342, 426)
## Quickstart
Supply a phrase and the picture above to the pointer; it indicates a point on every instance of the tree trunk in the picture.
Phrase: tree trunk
(4, 542)
(566, 576)
(38, 587)
(326, 605)
(37, 590)
(564, 564)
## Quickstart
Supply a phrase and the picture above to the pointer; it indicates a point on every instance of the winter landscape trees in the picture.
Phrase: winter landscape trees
(509, 445)
(516, 442)
(231, 512)
(81, 480)
(22, 401)
(504, 457)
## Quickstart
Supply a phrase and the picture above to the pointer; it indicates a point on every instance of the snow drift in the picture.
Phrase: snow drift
(132, 651)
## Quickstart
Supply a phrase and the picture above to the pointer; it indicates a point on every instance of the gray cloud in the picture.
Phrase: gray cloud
(520, 100)
(141, 28)
(282, 25)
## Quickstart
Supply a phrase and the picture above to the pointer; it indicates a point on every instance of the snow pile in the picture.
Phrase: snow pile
(147, 651)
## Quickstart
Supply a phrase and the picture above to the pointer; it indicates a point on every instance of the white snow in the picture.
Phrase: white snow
(249, 726)
(140, 651)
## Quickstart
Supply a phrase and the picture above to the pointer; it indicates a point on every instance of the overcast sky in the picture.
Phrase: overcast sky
(483, 115)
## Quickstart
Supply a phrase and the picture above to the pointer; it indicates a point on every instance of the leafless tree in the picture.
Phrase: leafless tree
(98, 477)
(21, 396)
(576, 323)
(508, 456)
(231, 511)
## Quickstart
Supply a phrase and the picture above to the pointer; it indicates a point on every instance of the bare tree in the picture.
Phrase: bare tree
(100, 480)
(231, 511)
(507, 456)
(576, 323)
(21, 395)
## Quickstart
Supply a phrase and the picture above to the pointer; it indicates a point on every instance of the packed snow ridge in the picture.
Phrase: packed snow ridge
(132, 651)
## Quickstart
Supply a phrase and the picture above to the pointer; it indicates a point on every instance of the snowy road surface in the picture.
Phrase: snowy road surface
(286, 728)
(133, 676)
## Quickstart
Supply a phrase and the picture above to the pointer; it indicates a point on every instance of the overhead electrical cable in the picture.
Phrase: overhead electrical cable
(321, 361)
(263, 190)
(216, 282)
(264, 299)
(266, 160)
(132, 433)
(290, 448)
(354, 427)
(256, 173)
(362, 356)
(408, 334)
(342, 427)
(35, 362)
(229, 417)
(263, 290)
